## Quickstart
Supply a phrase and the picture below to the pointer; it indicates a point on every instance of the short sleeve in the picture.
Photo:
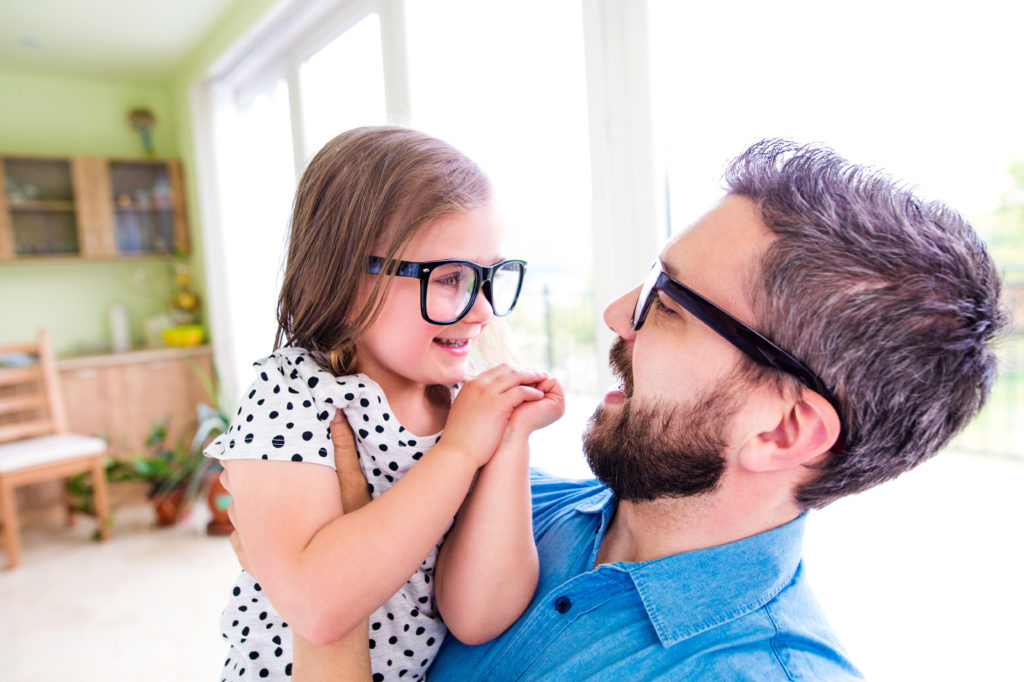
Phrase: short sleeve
(286, 412)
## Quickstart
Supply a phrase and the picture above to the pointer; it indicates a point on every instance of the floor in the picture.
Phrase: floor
(142, 606)
(921, 579)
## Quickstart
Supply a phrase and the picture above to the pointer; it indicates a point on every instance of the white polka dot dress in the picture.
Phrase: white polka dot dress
(285, 416)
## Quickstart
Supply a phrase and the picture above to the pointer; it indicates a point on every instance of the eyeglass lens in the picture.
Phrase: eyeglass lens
(451, 289)
(505, 287)
(643, 300)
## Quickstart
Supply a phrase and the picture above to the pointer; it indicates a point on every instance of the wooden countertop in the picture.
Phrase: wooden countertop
(134, 356)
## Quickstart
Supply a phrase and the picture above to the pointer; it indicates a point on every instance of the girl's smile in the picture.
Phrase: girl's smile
(455, 346)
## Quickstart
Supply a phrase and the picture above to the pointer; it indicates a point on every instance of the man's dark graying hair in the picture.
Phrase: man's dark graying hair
(893, 301)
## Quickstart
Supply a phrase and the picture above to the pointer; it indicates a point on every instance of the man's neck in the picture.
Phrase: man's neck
(642, 531)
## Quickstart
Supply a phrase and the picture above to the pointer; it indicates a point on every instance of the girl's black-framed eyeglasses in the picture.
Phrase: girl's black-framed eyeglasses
(448, 288)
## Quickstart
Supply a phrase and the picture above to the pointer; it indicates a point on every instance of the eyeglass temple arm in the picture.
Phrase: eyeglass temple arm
(375, 266)
(750, 341)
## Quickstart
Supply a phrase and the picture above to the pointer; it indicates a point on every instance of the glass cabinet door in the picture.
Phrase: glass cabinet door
(41, 207)
(143, 207)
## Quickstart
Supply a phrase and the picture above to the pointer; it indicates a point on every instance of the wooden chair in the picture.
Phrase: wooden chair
(34, 443)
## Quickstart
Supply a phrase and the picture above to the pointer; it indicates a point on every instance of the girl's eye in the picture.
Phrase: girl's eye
(450, 280)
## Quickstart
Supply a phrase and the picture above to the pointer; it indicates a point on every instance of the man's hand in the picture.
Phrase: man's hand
(354, 493)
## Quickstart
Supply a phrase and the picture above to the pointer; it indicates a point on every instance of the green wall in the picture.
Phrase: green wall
(55, 114)
(52, 114)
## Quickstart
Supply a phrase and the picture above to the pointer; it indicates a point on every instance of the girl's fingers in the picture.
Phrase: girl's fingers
(503, 377)
(523, 394)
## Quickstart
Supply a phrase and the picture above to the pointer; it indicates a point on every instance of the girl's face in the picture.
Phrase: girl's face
(401, 350)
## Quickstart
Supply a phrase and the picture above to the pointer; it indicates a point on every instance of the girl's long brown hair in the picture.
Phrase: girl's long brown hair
(369, 191)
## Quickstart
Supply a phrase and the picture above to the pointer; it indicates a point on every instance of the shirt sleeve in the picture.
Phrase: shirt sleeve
(279, 418)
(552, 497)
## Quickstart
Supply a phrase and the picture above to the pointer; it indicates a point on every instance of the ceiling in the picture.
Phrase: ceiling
(125, 39)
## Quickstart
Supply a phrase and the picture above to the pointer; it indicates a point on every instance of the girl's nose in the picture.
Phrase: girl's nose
(481, 312)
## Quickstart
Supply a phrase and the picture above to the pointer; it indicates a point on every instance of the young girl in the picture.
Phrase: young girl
(394, 270)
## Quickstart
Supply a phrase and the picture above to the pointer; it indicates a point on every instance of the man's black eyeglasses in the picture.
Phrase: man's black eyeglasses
(757, 347)
(448, 288)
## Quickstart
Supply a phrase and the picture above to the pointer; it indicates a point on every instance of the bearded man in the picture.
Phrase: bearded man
(821, 330)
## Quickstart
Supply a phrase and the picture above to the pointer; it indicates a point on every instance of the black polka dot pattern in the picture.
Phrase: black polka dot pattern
(286, 416)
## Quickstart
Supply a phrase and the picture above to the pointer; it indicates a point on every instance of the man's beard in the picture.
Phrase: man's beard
(648, 452)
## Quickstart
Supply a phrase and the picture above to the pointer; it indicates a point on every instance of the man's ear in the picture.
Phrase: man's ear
(805, 431)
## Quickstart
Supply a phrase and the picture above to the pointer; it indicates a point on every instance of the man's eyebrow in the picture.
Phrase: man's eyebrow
(670, 270)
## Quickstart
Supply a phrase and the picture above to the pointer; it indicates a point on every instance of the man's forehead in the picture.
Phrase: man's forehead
(719, 253)
(670, 267)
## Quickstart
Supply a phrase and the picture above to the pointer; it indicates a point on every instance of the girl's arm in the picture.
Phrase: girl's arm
(325, 572)
(487, 569)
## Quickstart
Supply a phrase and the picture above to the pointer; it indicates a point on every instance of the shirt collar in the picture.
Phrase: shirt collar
(686, 594)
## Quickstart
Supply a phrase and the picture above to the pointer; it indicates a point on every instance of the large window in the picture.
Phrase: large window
(342, 85)
(255, 179)
(929, 92)
(926, 90)
(319, 71)
(506, 84)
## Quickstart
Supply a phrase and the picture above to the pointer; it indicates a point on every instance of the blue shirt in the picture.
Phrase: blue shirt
(741, 611)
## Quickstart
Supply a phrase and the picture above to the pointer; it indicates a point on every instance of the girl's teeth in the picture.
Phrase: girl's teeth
(454, 343)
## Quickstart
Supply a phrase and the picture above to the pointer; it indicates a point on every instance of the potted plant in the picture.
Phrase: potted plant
(175, 474)
(80, 497)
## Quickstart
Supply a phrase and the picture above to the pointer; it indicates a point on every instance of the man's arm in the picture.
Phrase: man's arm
(349, 657)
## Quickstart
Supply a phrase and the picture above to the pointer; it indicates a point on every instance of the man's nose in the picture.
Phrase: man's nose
(619, 313)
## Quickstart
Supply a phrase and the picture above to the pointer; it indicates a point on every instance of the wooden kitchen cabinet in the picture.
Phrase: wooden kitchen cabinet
(119, 396)
(91, 207)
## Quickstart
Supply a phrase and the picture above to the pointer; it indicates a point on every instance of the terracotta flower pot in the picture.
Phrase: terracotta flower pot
(170, 507)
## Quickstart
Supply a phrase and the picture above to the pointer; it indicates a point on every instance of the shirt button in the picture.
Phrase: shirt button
(563, 604)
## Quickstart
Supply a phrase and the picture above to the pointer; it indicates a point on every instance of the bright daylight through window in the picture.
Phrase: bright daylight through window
(928, 91)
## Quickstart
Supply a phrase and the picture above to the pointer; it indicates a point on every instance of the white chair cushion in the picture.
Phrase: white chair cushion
(45, 449)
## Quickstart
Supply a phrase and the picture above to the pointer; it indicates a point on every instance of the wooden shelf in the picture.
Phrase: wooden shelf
(91, 207)
(41, 205)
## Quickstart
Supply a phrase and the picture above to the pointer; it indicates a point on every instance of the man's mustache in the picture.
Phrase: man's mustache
(621, 364)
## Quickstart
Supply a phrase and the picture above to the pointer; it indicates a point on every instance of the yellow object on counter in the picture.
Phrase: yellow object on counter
(184, 335)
